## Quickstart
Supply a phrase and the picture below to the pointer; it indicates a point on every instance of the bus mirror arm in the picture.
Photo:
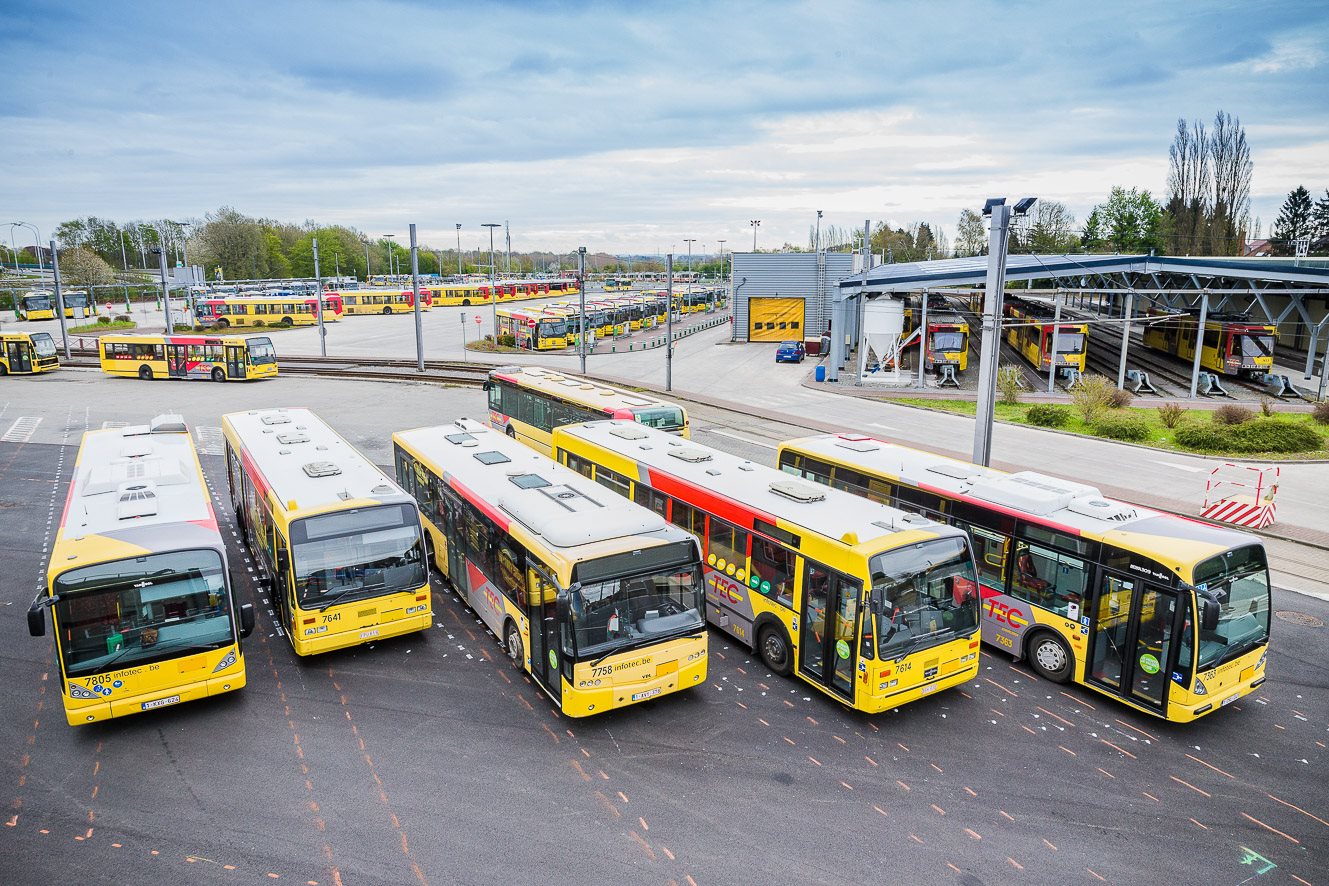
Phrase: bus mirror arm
(246, 619)
(37, 614)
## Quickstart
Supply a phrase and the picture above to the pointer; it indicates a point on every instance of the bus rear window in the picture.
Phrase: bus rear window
(664, 418)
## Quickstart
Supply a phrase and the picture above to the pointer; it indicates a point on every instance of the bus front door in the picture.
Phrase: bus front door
(545, 651)
(177, 365)
(828, 647)
(235, 361)
(20, 356)
(1132, 628)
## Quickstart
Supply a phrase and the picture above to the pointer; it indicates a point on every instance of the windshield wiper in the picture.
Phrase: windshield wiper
(651, 639)
(340, 597)
(919, 642)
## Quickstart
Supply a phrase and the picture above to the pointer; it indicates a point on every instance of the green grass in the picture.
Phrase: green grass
(104, 327)
(1160, 437)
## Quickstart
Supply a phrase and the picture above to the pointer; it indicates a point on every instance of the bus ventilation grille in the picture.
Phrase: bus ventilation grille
(321, 469)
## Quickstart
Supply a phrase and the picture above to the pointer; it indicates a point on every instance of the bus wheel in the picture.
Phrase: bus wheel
(287, 322)
(1049, 656)
(511, 432)
(774, 649)
(145, 372)
(515, 654)
(387, 310)
(217, 374)
(466, 303)
(4, 370)
(222, 323)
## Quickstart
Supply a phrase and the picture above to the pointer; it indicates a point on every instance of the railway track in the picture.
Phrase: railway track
(1034, 381)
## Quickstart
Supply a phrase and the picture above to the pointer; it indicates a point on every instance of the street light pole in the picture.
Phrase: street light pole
(669, 324)
(59, 298)
(991, 342)
(689, 241)
(166, 290)
(581, 297)
(366, 261)
(458, 249)
(415, 289)
(756, 223)
(493, 291)
(318, 304)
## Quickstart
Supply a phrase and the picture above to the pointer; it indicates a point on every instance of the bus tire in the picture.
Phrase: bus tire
(287, 322)
(217, 374)
(773, 646)
(4, 370)
(1048, 655)
(512, 644)
(387, 310)
(222, 323)
(511, 432)
(145, 372)
(466, 303)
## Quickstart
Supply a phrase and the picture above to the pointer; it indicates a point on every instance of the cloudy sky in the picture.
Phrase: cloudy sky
(628, 127)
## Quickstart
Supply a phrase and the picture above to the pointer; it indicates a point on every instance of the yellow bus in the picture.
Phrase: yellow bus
(27, 353)
(141, 602)
(268, 310)
(40, 305)
(1166, 614)
(528, 402)
(618, 284)
(535, 330)
(383, 301)
(198, 357)
(339, 542)
(598, 599)
(873, 606)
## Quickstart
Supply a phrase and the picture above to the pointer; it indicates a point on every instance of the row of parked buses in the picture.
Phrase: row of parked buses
(868, 570)
(41, 304)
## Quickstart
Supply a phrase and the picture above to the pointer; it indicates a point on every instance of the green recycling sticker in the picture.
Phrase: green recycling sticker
(1148, 664)
(842, 648)
(553, 660)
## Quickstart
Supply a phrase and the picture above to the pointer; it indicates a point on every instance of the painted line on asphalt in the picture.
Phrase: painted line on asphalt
(741, 437)
(1171, 464)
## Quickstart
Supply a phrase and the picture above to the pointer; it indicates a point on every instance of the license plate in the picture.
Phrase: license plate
(649, 693)
(160, 703)
(365, 635)
(1227, 701)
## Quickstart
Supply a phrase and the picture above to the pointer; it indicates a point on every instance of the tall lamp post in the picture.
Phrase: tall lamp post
(366, 242)
(41, 266)
(458, 249)
(318, 304)
(391, 271)
(493, 293)
(722, 259)
(756, 223)
(689, 241)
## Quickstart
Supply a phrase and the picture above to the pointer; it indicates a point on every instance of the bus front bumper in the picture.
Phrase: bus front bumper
(588, 701)
(150, 701)
(893, 696)
(326, 642)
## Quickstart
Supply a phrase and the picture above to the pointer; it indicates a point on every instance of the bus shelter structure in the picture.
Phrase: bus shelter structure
(1292, 294)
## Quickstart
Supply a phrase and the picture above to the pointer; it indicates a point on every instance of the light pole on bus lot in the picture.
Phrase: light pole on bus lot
(493, 294)
(365, 240)
(59, 298)
(722, 242)
(458, 250)
(581, 295)
(415, 301)
(689, 241)
(41, 266)
(318, 304)
(391, 266)
(756, 223)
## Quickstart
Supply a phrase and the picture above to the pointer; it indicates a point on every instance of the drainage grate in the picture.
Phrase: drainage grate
(1299, 618)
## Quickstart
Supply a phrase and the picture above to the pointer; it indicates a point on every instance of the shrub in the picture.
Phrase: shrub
(1204, 436)
(1120, 399)
(1274, 435)
(507, 341)
(1121, 427)
(1171, 414)
(1320, 412)
(1047, 415)
(104, 321)
(1008, 382)
(1232, 414)
(1092, 396)
(122, 318)
(260, 322)
(1266, 407)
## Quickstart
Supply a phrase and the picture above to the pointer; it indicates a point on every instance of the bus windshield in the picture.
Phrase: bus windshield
(923, 594)
(634, 609)
(553, 328)
(1257, 345)
(37, 302)
(1243, 621)
(43, 344)
(947, 341)
(261, 351)
(366, 552)
(75, 299)
(145, 609)
(664, 418)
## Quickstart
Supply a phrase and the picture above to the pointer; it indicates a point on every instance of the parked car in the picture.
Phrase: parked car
(790, 352)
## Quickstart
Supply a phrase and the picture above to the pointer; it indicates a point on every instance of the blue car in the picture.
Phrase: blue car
(790, 352)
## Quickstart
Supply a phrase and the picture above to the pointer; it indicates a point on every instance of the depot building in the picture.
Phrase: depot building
(786, 296)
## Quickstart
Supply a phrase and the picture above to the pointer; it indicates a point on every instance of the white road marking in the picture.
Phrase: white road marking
(22, 429)
(883, 427)
(1171, 464)
(740, 437)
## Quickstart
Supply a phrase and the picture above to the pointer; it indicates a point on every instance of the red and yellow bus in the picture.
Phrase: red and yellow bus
(198, 357)
(27, 353)
(1164, 613)
(141, 602)
(873, 606)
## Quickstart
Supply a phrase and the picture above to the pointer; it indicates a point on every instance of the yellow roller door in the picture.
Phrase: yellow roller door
(775, 319)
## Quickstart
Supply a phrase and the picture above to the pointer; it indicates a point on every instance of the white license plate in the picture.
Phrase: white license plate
(160, 703)
(1227, 701)
(365, 635)
(649, 693)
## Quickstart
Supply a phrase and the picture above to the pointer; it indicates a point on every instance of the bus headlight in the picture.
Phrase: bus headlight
(1259, 664)
(1200, 688)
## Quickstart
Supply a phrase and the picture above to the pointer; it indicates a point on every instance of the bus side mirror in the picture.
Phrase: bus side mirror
(37, 620)
(1209, 612)
(283, 564)
(246, 619)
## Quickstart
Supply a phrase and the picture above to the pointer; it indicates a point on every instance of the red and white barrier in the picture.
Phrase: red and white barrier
(1242, 495)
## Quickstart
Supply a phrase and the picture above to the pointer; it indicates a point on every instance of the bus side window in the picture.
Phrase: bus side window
(726, 542)
(648, 498)
(508, 559)
(405, 471)
(611, 480)
(496, 396)
(1054, 580)
(991, 550)
(774, 566)
(579, 464)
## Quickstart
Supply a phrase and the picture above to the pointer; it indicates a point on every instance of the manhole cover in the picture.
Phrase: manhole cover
(1299, 618)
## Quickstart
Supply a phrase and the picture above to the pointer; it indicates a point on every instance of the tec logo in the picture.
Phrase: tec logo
(1008, 615)
(725, 591)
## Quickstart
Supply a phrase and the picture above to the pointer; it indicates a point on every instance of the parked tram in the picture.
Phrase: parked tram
(268, 310)
(370, 301)
(597, 598)
(141, 602)
(870, 605)
(27, 353)
(197, 357)
(1233, 344)
(528, 402)
(340, 542)
(1029, 329)
(1163, 613)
